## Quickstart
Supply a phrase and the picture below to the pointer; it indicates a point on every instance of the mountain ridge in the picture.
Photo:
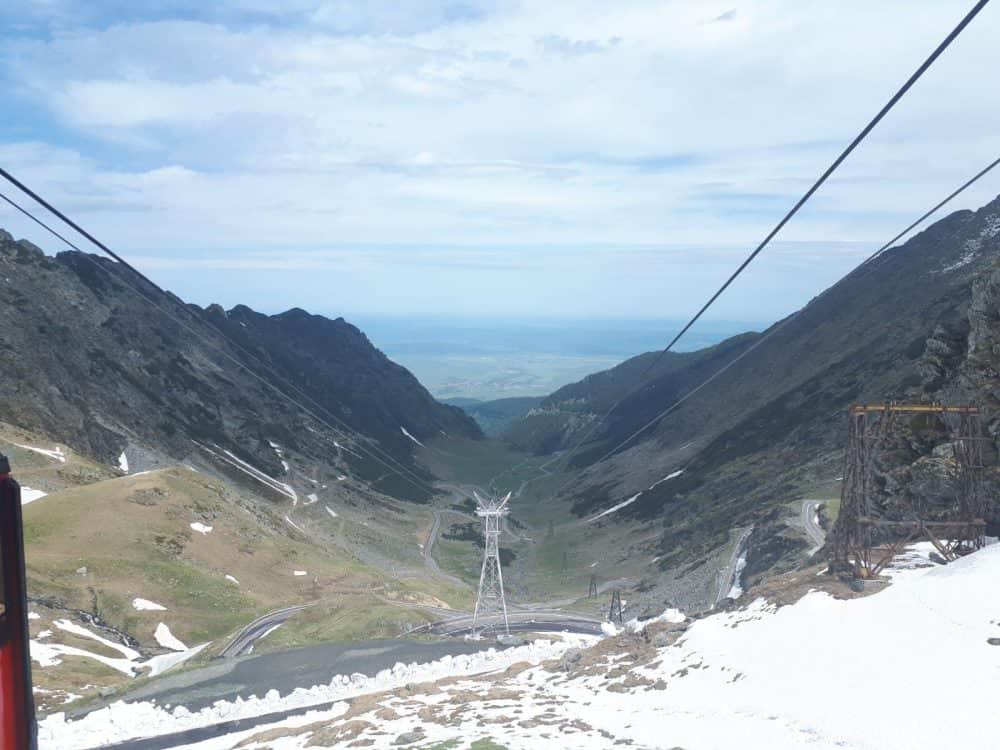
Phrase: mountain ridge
(917, 323)
(162, 386)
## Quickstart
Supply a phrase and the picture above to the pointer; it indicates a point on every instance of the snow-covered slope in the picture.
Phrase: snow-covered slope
(910, 667)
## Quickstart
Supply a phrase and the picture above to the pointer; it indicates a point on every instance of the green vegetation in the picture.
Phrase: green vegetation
(346, 618)
(486, 744)
(468, 461)
(98, 547)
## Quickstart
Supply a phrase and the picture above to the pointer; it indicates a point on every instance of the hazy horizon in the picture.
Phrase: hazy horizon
(491, 359)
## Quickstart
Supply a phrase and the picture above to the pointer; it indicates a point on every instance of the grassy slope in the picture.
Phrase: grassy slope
(133, 536)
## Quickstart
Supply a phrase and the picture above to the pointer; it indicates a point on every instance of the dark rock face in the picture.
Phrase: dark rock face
(96, 362)
(920, 323)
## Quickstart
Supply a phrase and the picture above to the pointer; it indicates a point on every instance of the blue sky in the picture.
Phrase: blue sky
(491, 157)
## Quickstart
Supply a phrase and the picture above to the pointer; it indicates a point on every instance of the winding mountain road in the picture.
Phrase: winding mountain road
(283, 671)
(810, 522)
(242, 644)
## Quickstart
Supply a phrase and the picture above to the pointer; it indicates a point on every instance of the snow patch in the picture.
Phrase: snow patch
(231, 579)
(123, 462)
(167, 639)
(615, 507)
(294, 525)
(160, 664)
(411, 436)
(51, 654)
(48, 655)
(56, 453)
(672, 475)
(144, 605)
(961, 262)
(610, 629)
(329, 510)
(669, 615)
(311, 498)
(201, 528)
(29, 495)
(300, 573)
(269, 631)
(71, 627)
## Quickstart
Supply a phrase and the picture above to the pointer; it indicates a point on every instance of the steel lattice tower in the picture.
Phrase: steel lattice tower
(490, 602)
(863, 540)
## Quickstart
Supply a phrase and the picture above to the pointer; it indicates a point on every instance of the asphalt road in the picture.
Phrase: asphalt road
(526, 621)
(242, 644)
(810, 511)
(284, 671)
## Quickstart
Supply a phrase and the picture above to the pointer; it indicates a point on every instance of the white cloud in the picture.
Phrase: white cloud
(542, 123)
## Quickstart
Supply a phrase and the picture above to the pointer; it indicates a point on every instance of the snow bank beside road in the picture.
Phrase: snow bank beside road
(123, 721)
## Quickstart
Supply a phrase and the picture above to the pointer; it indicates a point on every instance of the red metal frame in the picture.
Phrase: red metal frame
(17, 705)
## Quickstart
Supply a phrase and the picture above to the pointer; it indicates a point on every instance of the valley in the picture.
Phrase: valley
(309, 502)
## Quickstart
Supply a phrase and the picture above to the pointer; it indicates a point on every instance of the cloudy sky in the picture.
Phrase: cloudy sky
(491, 157)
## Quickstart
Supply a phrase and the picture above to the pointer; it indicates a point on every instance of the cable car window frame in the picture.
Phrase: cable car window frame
(5, 607)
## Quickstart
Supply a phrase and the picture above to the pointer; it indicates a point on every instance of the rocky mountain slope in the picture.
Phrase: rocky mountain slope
(104, 365)
(920, 323)
(561, 420)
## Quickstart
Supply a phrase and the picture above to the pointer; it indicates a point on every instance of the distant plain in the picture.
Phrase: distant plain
(487, 359)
